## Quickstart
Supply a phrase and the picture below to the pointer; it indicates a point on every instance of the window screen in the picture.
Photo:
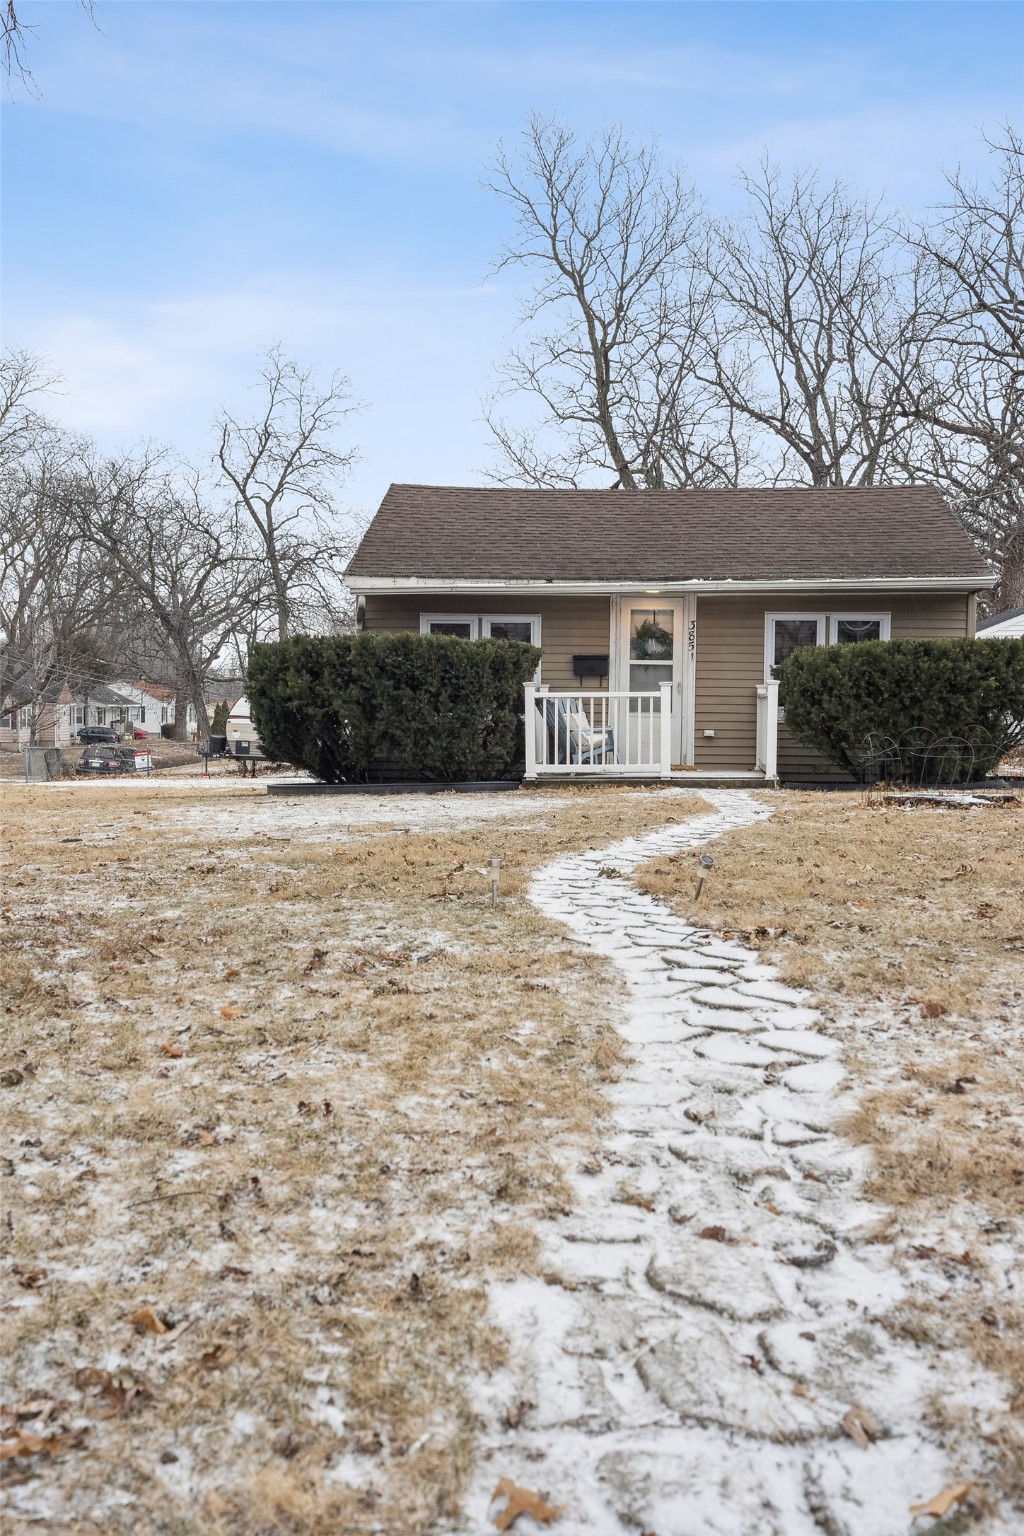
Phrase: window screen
(511, 629)
(462, 629)
(849, 631)
(790, 635)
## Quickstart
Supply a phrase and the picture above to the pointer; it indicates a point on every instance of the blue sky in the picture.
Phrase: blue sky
(197, 179)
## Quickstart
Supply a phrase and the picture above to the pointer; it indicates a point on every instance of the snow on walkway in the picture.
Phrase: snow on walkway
(707, 1312)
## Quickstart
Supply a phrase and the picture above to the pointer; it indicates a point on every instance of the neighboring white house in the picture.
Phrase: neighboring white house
(55, 719)
(1002, 626)
(152, 705)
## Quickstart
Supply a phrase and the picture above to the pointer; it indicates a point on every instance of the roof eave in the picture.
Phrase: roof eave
(363, 585)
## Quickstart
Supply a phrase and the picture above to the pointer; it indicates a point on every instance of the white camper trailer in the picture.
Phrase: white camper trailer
(241, 738)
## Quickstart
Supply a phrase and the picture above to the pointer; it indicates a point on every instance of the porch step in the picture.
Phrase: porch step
(679, 778)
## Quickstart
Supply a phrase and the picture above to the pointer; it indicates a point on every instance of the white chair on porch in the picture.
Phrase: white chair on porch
(571, 740)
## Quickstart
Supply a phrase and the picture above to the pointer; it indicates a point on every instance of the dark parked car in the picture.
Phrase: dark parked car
(101, 733)
(107, 760)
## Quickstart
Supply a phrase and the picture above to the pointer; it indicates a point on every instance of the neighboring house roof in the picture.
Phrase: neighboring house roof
(99, 693)
(217, 688)
(464, 534)
(56, 693)
(1002, 626)
(152, 690)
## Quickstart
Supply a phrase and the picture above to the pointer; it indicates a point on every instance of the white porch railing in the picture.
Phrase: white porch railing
(598, 733)
(767, 753)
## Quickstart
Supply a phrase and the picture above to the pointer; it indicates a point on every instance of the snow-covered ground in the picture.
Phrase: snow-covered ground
(710, 1310)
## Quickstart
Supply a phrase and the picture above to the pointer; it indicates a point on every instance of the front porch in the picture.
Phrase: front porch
(572, 734)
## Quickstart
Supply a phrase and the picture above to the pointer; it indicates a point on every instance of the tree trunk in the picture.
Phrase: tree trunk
(182, 699)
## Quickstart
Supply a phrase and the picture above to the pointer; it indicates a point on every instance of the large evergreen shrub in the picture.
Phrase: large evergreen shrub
(915, 694)
(400, 706)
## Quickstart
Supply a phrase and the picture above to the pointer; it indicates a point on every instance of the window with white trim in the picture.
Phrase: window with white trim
(523, 627)
(462, 625)
(512, 626)
(487, 626)
(850, 628)
(785, 633)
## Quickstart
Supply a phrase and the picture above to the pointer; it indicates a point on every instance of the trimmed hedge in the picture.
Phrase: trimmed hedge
(911, 693)
(399, 706)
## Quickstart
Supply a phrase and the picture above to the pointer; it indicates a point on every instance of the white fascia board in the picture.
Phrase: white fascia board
(381, 585)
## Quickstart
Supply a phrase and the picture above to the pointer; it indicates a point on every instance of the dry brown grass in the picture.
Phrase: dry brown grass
(304, 1097)
(873, 904)
(908, 926)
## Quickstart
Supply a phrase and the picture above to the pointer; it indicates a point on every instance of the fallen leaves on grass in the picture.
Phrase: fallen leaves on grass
(25, 1444)
(30, 1279)
(229, 1011)
(955, 1494)
(520, 1501)
(860, 1426)
(171, 1050)
(123, 1389)
(217, 1357)
(146, 1318)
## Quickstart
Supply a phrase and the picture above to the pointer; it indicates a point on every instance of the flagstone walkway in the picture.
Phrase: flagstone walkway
(708, 1311)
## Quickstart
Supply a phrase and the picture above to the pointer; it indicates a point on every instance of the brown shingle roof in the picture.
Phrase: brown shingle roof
(463, 533)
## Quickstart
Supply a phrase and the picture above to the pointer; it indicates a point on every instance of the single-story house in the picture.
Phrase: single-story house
(54, 719)
(1008, 625)
(45, 720)
(660, 614)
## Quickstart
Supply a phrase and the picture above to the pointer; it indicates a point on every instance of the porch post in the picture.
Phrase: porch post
(666, 730)
(530, 731)
(768, 698)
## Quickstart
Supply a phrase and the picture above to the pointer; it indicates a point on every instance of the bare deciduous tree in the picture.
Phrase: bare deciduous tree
(283, 467)
(193, 572)
(14, 39)
(57, 598)
(968, 391)
(811, 331)
(616, 318)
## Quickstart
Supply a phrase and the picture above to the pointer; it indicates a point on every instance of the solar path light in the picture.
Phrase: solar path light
(707, 864)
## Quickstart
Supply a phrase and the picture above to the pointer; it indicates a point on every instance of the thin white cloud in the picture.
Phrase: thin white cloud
(416, 355)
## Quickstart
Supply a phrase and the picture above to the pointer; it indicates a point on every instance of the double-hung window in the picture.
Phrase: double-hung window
(787, 632)
(504, 626)
(485, 626)
(849, 628)
(462, 626)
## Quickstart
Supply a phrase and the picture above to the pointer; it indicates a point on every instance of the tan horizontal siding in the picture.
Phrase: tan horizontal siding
(730, 654)
(569, 626)
(730, 664)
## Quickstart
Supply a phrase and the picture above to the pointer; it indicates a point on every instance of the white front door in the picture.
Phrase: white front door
(657, 644)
